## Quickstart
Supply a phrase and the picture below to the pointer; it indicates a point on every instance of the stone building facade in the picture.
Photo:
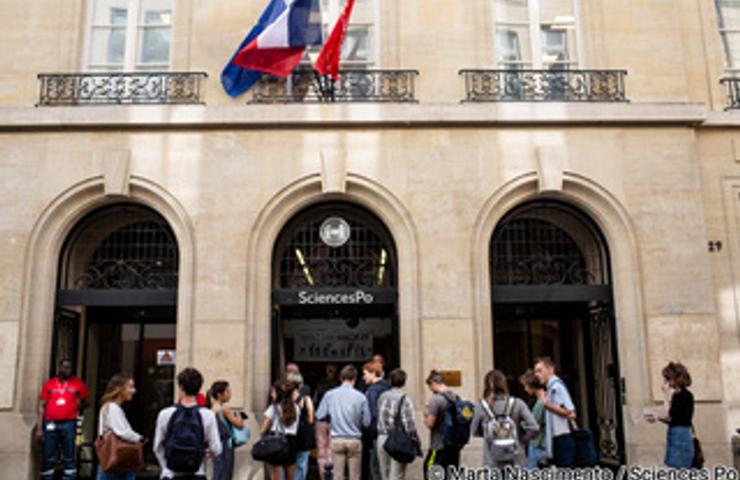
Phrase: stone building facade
(516, 178)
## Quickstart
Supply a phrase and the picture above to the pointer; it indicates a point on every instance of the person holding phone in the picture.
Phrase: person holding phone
(678, 414)
(218, 396)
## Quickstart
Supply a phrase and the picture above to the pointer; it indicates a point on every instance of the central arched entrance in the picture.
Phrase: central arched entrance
(334, 292)
(552, 295)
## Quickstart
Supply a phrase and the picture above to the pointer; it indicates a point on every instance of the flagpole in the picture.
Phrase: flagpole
(326, 85)
(332, 90)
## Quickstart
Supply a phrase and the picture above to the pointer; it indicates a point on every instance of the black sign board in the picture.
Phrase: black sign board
(335, 296)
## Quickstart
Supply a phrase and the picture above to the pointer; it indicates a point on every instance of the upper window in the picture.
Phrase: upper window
(358, 49)
(535, 34)
(728, 14)
(129, 35)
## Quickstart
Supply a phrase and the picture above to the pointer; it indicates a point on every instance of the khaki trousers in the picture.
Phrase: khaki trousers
(346, 451)
(391, 469)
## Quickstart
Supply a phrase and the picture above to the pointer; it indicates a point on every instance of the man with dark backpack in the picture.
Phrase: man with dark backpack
(185, 432)
(448, 418)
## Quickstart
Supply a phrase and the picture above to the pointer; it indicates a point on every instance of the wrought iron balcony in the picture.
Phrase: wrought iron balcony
(306, 86)
(132, 88)
(544, 85)
(733, 92)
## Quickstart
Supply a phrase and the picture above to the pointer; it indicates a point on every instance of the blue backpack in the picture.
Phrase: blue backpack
(184, 443)
(457, 419)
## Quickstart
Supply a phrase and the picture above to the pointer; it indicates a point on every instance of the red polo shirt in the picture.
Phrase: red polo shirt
(63, 398)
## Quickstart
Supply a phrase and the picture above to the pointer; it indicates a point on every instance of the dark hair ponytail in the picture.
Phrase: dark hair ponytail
(217, 388)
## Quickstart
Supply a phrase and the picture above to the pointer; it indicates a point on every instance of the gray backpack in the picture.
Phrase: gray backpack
(501, 432)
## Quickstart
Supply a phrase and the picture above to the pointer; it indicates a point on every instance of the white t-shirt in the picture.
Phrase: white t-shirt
(277, 426)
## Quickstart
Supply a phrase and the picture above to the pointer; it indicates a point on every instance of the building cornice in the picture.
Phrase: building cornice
(312, 116)
(726, 119)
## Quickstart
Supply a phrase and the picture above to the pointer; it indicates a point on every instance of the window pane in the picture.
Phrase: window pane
(363, 11)
(557, 12)
(510, 10)
(356, 47)
(154, 45)
(107, 45)
(554, 46)
(512, 44)
(728, 13)
(107, 12)
(155, 12)
(558, 45)
(731, 43)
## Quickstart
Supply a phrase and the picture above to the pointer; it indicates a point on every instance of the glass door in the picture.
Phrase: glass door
(139, 342)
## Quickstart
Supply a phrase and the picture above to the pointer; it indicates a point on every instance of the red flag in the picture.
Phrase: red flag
(328, 61)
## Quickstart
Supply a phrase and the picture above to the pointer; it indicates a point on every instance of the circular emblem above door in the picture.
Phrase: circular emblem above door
(334, 231)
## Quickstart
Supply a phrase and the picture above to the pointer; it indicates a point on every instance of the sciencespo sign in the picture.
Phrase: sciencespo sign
(358, 297)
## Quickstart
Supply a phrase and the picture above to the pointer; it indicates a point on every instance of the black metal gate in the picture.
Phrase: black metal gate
(549, 253)
(123, 260)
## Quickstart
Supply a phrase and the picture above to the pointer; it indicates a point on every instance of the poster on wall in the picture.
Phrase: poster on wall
(334, 346)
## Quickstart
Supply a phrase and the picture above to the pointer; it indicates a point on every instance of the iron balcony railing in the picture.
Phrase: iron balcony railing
(733, 92)
(125, 88)
(353, 85)
(544, 85)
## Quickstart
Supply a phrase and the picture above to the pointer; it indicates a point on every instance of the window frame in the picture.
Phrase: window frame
(329, 18)
(132, 27)
(534, 24)
(731, 71)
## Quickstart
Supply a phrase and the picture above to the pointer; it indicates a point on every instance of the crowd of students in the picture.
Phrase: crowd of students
(355, 429)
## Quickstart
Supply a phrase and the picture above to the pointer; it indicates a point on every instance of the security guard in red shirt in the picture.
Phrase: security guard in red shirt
(62, 399)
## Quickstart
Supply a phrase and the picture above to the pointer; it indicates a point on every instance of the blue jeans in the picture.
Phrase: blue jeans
(301, 465)
(62, 436)
(534, 455)
(679, 452)
(114, 476)
(564, 450)
(223, 465)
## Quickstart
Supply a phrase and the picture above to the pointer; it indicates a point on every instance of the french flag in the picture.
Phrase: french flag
(280, 46)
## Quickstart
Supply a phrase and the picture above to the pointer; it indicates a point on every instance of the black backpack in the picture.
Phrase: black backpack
(184, 443)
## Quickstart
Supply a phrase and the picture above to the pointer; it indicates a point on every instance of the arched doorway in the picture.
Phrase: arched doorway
(552, 295)
(116, 311)
(334, 291)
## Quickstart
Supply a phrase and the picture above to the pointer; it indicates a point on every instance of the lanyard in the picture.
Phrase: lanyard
(62, 386)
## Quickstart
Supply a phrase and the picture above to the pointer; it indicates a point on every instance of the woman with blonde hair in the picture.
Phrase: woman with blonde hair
(120, 389)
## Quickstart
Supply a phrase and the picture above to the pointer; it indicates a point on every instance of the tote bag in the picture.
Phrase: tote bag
(116, 455)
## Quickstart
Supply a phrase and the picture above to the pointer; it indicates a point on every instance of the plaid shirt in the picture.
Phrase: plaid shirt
(388, 408)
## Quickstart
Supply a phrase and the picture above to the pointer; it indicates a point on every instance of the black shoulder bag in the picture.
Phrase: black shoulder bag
(400, 445)
(274, 447)
(306, 436)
